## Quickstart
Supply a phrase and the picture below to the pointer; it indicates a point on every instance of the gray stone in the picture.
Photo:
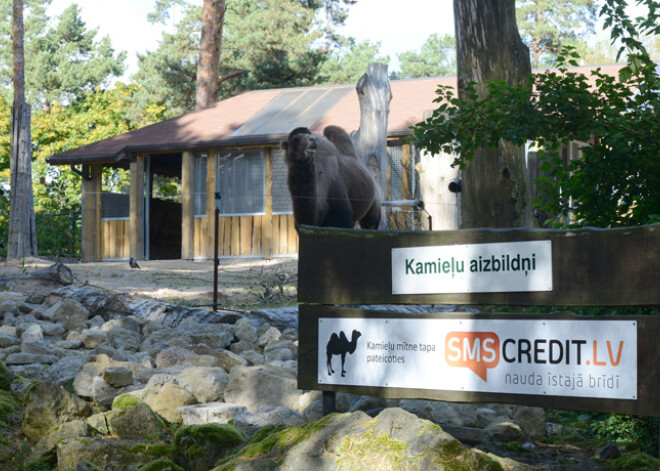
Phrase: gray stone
(504, 430)
(48, 405)
(436, 411)
(118, 376)
(212, 412)
(255, 386)
(253, 357)
(70, 313)
(245, 331)
(270, 335)
(207, 384)
(92, 338)
(531, 421)
(106, 454)
(241, 346)
(8, 340)
(168, 400)
(65, 369)
(33, 332)
(179, 356)
(228, 360)
(280, 350)
(136, 422)
(45, 448)
(124, 339)
(29, 359)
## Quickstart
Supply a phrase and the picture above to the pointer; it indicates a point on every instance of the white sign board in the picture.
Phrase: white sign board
(475, 268)
(540, 357)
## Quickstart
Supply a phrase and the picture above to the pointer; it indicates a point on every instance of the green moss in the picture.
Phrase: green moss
(223, 435)
(159, 450)
(370, 451)
(635, 462)
(126, 400)
(272, 442)
(161, 464)
(6, 377)
(9, 405)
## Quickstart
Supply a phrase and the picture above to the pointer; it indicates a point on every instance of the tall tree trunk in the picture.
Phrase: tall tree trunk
(495, 190)
(208, 67)
(22, 230)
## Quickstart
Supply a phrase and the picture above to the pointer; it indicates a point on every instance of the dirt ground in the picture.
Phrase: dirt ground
(241, 282)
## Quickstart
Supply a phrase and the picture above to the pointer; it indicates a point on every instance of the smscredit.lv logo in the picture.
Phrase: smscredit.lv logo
(477, 351)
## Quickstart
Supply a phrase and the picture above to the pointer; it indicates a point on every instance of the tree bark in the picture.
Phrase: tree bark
(495, 190)
(208, 67)
(22, 230)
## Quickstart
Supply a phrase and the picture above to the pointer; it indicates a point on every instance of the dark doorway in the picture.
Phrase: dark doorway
(165, 206)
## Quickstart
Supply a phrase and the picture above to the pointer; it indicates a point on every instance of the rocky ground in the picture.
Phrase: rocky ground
(117, 371)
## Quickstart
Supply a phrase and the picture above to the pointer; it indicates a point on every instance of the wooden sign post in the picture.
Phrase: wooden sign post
(603, 363)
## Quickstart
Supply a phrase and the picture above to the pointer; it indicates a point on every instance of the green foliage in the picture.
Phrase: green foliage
(547, 25)
(69, 62)
(348, 64)
(643, 430)
(615, 181)
(437, 58)
(635, 462)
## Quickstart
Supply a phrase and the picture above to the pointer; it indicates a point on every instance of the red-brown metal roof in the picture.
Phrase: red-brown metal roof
(266, 117)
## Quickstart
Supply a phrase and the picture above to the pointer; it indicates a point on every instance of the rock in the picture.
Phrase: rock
(270, 335)
(106, 454)
(6, 377)
(212, 412)
(228, 360)
(65, 369)
(240, 347)
(504, 430)
(268, 415)
(118, 376)
(123, 338)
(8, 340)
(280, 350)
(105, 394)
(438, 412)
(70, 313)
(179, 356)
(136, 422)
(45, 448)
(92, 338)
(199, 447)
(254, 386)
(253, 357)
(245, 331)
(29, 359)
(33, 332)
(207, 384)
(48, 405)
(531, 420)
(168, 400)
(608, 452)
(83, 382)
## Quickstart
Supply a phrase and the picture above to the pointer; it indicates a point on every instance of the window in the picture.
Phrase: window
(241, 181)
(199, 184)
(115, 200)
(281, 195)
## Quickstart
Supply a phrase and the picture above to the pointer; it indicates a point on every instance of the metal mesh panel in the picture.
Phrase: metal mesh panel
(115, 206)
(280, 190)
(396, 173)
(200, 184)
(241, 180)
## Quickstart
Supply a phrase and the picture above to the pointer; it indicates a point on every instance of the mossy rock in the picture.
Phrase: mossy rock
(635, 462)
(9, 405)
(126, 400)
(161, 464)
(199, 447)
(6, 377)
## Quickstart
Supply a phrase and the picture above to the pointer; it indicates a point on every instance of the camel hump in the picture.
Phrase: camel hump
(340, 138)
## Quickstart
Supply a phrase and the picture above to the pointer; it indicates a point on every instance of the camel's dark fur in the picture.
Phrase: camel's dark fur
(339, 345)
(328, 185)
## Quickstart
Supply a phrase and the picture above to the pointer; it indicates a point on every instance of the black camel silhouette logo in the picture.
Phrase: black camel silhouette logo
(339, 345)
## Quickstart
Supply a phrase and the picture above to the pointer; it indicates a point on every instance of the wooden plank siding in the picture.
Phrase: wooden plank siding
(115, 236)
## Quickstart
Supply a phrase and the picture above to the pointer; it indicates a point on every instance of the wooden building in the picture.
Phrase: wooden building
(232, 148)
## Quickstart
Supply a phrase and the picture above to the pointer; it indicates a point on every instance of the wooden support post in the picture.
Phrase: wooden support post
(137, 208)
(329, 402)
(91, 213)
(209, 250)
(188, 206)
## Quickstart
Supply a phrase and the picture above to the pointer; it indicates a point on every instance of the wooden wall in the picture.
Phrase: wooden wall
(115, 238)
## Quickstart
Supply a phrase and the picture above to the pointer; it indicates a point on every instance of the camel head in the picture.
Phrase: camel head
(300, 146)
(356, 335)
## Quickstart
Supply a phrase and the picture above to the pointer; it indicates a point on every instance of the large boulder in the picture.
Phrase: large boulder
(168, 400)
(70, 313)
(48, 405)
(254, 386)
(199, 447)
(136, 422)
(395, 439)
(206, 383)
(107, 454)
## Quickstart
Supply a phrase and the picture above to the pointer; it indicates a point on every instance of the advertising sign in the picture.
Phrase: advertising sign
(575, 358)
(473, 268)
